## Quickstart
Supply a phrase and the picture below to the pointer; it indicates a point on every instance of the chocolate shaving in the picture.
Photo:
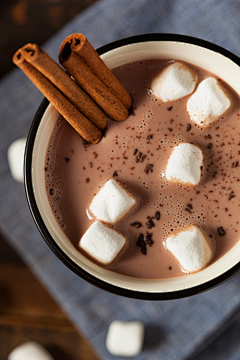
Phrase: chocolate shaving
(234, 164)
(187, 209)
(136, 224)
(66, 159)
(150, 137)
(189, 126)
(149, 240)
(189, 206)
(169, 108)
(207, 136)
(141, 243)
(221, 231)
(231, 195)
(209, 146)
(140, 157)
(135, 151)
(157, 215)
(150, 224)
(148, 168)
(115, 174)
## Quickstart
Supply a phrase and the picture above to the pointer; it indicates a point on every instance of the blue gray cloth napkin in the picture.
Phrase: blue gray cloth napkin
(205, 326)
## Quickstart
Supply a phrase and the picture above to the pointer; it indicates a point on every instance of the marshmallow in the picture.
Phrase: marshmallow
(111, 203)
(125, 338)
(102, 243)
(208, 102)
(184, 164)
(174, 82)
(191, 248)
(15, 156)
(29, 351)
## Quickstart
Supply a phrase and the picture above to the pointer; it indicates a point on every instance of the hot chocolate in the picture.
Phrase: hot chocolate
(135, 153)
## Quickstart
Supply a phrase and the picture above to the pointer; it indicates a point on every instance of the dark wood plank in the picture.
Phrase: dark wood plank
(27, 312)
(23, 21)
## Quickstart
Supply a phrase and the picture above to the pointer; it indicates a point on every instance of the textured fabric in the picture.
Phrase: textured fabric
(204, 326)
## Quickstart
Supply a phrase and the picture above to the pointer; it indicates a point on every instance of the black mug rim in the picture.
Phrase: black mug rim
(37, 216)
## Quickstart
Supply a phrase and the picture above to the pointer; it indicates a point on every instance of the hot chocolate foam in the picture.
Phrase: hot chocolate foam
(135, 153)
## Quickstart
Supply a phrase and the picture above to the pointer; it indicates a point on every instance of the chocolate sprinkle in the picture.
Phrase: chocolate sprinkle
(157, 215)
(67, 159)
(115, 174)
(221, 231)
(136, 224)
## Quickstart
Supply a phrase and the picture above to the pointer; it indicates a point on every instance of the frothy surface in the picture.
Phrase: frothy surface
(135, 153)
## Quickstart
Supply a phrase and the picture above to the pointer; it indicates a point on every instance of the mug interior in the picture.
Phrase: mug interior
(201, 54)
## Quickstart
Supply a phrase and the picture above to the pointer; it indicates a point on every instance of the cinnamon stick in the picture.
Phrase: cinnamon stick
(57, 76)
(81, 46)
(84, 76)
(78, 121)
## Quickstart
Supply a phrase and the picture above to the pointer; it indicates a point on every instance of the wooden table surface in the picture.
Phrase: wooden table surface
(27, 312)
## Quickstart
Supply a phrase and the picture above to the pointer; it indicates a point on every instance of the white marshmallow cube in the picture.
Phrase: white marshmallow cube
(174, 82)
(208, 102)
(185, 164)
(29, 351)
(191, 248)
(102, 243)
(15, 157)
(125, 338)
(111, 203)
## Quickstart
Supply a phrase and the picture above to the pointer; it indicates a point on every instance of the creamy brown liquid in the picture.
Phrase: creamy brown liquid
(75, 172)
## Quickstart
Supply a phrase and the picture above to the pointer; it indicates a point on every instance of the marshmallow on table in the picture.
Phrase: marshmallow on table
(185, 164)
(112, 202)
(208, 102)
(15, 156)
(102, 243)
(191, 248)
(125, 338)
(30, 351)
(174, 82)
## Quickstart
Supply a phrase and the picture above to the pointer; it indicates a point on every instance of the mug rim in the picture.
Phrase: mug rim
(176, 294)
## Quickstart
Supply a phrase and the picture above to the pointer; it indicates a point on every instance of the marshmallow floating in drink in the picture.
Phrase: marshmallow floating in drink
(102, 243)
(15, 156)
(30, 351)
(174, 82)
(112, 202)
(185, 164)
(125, 338)
(208, 102)
(191, 248)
